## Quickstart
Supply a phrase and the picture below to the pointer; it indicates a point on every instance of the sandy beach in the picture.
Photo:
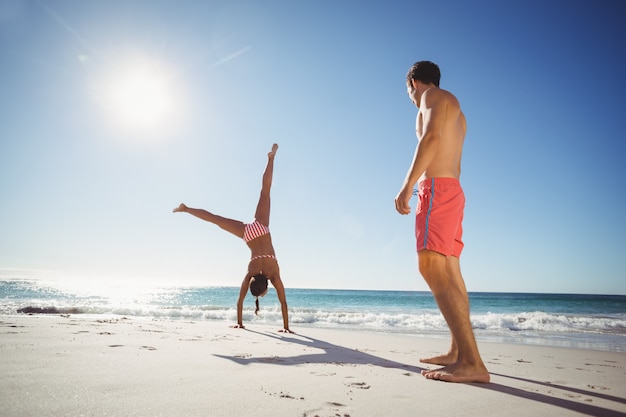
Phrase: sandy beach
(79, 365)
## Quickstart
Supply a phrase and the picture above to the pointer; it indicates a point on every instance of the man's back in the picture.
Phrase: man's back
(440, 115)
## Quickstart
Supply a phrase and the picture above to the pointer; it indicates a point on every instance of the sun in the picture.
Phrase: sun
(140, 95)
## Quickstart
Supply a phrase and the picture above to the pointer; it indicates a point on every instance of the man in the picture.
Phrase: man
(436, 167)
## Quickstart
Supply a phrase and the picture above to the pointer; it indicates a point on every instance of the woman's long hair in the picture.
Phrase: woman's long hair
(258, 285)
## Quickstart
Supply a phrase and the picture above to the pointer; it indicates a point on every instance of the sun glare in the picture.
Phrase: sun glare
(140, 96)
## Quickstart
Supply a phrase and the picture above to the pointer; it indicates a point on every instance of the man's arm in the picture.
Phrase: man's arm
(433, 120)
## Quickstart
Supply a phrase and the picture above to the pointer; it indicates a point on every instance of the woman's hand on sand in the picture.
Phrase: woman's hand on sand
(181, 208)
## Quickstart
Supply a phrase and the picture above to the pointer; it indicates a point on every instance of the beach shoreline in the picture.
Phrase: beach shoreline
(71, 365)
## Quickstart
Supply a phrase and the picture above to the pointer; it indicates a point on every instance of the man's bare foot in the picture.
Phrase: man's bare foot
(459, 373)
(447, 359)
(286, 331)
(180, 208)
(272, 153)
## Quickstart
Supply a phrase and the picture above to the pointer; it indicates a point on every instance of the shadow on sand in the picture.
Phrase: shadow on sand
(331, 354)
(342, 355)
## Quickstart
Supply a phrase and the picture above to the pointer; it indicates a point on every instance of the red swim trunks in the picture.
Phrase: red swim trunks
(439, 216)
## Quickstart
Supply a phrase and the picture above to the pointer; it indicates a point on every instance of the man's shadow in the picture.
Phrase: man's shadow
(584, 408)
(335, 354)
(330, 353)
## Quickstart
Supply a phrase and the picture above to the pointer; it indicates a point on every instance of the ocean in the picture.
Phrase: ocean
(566, 320)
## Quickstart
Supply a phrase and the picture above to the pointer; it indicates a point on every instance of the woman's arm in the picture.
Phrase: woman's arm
(242, 295)
(280, 292)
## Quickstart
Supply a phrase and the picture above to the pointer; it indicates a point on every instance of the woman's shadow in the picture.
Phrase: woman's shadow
(331, 353)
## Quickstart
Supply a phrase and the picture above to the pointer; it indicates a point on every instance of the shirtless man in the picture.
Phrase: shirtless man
(436, 168)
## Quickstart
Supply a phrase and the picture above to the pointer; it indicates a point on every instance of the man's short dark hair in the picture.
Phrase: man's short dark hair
(424, 71)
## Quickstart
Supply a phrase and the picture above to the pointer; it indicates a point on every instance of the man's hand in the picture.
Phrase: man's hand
(402, 201)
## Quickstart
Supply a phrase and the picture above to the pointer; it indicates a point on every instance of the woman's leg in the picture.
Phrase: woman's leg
(235, 227)
(262, 213)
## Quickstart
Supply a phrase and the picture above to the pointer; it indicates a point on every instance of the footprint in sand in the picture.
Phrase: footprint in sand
(283, 395)
(141, 347)
(332, 407)
(359, 385)
(598, 387)
(222, 337)
(243, 356)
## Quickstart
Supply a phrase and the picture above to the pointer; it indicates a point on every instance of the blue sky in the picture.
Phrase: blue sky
(91, 166)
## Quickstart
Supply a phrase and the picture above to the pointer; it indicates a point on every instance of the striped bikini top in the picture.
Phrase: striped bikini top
(254, 230)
